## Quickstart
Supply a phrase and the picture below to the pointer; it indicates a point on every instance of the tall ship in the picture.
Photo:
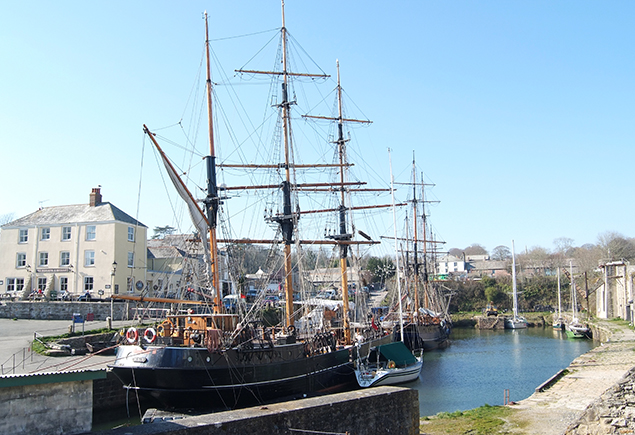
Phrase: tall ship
(205, 356)
(427, 321)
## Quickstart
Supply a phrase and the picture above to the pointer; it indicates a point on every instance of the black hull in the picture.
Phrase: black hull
(188, 377)
(426, 337)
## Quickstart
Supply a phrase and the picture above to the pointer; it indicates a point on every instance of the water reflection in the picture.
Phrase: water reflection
(479, 365)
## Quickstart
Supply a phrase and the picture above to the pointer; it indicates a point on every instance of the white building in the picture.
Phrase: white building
(450, 264)
(615, 296)
(94, 247)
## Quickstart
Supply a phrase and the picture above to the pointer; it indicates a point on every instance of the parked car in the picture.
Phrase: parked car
(327, 294)
(232, 302)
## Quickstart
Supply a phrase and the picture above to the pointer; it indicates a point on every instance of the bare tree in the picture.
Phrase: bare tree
(6, 218)
(501, 253)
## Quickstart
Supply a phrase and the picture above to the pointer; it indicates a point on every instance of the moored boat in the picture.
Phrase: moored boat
(515, 321)
(205, 358)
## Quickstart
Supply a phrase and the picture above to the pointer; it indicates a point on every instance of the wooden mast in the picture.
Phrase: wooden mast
(211, 201)
(416, 262)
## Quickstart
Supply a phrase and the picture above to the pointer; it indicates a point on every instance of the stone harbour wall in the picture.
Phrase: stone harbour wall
(612, 413)
(57, 408)
(381, 410)
(64, 310)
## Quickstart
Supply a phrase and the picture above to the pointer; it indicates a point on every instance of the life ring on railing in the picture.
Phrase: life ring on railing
(391, 364)
(150, 335)
(132, 335)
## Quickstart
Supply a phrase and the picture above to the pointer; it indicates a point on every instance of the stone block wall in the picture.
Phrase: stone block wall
(54, 408)
(63, 310)
(373, 411)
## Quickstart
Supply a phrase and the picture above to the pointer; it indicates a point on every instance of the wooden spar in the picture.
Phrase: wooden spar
(164, 157)
(211, 201)
(295, 186)
(301, 242)
(361, 207)
(342, 212)
(282, 73)
(279, 166)
(165, 300)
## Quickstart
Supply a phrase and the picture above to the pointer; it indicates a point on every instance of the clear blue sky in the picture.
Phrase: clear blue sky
(521, 113)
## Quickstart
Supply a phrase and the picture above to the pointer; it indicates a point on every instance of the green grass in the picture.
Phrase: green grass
(485, 420)
(40, 345)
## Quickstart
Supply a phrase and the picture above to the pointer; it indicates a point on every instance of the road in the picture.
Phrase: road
(16, 356)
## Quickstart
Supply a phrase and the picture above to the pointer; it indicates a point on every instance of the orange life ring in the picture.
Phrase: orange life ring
(132, 335)
(150, 335)
(391, 364)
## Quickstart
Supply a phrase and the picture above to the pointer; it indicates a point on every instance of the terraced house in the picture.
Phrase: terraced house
(94, 247)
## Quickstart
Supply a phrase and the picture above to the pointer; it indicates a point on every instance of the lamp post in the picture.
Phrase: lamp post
(112, 290)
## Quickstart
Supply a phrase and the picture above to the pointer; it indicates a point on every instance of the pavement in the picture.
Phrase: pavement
(16, 356)
(591, 374)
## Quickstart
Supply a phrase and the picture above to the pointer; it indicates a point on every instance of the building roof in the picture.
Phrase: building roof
(70, 214)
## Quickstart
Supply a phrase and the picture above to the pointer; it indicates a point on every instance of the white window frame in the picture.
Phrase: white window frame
(89, 258)
(67, 233)
(23, 235)
(20, 260)
(91, 232)
(131, 234)
(45, 233)
(130, 259)
(15, 284)
(41, 283)
(89, 283)
(63, 283)
(43, 259)
(65, 255)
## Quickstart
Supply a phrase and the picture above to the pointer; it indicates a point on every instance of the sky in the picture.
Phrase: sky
(520, 113)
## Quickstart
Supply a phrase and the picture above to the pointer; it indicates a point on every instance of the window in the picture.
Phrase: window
(89, 258)
(130, 259)
(45, 234)
(15, 284)
(23, 236)
(66, 233)
(21, 260)
(41, 284)
(65, 258)
(44, 259)
(90, 232)
(88, 283)
(63, 283)
(131, 234)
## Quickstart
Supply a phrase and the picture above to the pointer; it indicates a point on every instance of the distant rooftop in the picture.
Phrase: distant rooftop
(71, 214)
(94, 211)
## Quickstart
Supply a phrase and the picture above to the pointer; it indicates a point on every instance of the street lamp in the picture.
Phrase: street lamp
(112, 290)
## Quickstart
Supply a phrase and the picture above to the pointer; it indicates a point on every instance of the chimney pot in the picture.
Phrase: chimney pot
(95, 197)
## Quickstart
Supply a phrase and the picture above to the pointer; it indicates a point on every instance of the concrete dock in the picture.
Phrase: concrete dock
(569, 406)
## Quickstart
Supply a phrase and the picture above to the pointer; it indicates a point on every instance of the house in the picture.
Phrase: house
(94, 247)
(177, 261)
(614, 298)
(451, 264)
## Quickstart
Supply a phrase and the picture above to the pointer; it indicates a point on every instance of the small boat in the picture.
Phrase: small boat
(558, 322)
(575, 329)
(388, 364)
(391, 363)
(516, 321)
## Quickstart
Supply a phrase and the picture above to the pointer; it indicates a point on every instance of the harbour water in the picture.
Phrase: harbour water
(480, 365)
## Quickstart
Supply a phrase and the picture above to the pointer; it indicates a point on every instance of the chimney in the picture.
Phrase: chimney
(95, 197)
